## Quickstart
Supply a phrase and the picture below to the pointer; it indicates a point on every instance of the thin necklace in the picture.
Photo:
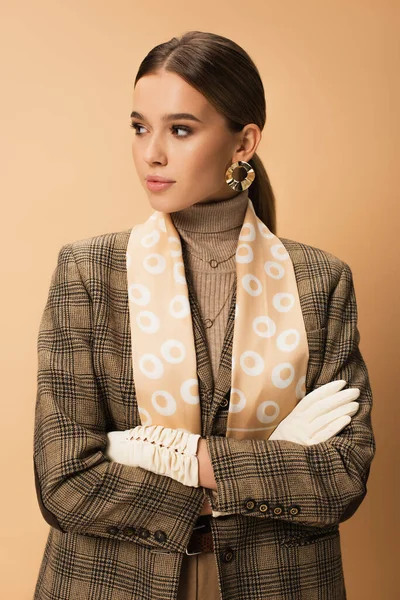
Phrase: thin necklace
(213, 263)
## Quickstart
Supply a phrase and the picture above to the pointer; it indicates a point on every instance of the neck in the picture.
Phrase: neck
(213, 216)
(211, 230)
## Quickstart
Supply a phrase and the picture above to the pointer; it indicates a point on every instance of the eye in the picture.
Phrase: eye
(182, 128)
(135, 126)
(174, 128)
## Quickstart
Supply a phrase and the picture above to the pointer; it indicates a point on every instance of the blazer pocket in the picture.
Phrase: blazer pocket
(309, 535)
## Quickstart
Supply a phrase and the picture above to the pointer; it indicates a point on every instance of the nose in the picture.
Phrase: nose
(154, 152)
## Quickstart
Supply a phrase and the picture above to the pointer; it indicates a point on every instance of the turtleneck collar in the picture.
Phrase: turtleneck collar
(212, 217)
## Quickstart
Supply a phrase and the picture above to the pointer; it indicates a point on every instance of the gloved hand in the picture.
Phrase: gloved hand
(320, 415)
(159, 449)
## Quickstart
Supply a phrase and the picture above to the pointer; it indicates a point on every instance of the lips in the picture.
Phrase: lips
(158, 186)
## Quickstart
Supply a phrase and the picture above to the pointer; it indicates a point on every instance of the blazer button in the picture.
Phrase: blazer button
(160, 535)
(144, 533)
(249, 504)
(263, 507)
(294, 509)
(227, 555)
(113, 530)
(224, 403)
(129, 530)
(278, 510)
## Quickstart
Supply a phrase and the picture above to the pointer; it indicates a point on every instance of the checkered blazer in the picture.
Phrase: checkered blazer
(120, 532)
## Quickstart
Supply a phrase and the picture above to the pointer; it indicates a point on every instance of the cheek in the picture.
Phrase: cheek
(203, 160)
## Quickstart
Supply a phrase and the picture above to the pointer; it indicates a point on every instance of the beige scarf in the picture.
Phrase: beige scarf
(270, 349)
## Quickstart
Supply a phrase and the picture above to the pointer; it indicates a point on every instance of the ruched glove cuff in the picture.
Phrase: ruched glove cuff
(159, 449)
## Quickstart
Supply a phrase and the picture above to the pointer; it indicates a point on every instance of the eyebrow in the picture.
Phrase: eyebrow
(170, 117)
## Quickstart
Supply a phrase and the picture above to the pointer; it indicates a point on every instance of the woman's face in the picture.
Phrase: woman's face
(194, 152)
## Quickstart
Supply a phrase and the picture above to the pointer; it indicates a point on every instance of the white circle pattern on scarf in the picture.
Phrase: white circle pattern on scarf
(269, 348)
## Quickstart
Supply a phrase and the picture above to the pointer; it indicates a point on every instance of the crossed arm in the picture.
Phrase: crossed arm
(327, 481)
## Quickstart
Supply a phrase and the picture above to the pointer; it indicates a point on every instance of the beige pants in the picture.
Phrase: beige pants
(199, 577)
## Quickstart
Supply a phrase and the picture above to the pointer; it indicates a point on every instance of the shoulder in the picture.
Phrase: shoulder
(314, 262)
(98, 257)
(104, 243)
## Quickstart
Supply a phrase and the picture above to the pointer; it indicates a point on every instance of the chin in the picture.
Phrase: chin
(158, 202)
(163, 203)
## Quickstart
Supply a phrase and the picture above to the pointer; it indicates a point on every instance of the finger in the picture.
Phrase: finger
(322, 392)
(349, 409)
(331, 402)
(328, 432)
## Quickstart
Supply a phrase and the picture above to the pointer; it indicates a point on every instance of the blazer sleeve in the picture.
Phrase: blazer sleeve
(78, 489)
(321, 484)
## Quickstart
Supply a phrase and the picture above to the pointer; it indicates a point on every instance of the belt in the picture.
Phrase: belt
(201, 539)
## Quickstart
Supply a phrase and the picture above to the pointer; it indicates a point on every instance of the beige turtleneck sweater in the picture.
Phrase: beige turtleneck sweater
(209, 234)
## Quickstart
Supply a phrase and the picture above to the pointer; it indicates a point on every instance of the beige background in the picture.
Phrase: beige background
(331, 147)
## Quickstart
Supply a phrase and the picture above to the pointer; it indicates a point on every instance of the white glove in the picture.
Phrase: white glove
(159, 449)
(320, 415)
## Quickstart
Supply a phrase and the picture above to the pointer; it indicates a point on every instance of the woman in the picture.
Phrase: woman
(172, 458)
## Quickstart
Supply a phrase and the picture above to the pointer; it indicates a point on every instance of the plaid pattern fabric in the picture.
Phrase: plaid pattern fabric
(119, 532)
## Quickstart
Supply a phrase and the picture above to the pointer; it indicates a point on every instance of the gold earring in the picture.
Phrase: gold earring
(240, 184)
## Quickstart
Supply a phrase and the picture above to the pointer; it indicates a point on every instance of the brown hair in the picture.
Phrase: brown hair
(226, 75)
